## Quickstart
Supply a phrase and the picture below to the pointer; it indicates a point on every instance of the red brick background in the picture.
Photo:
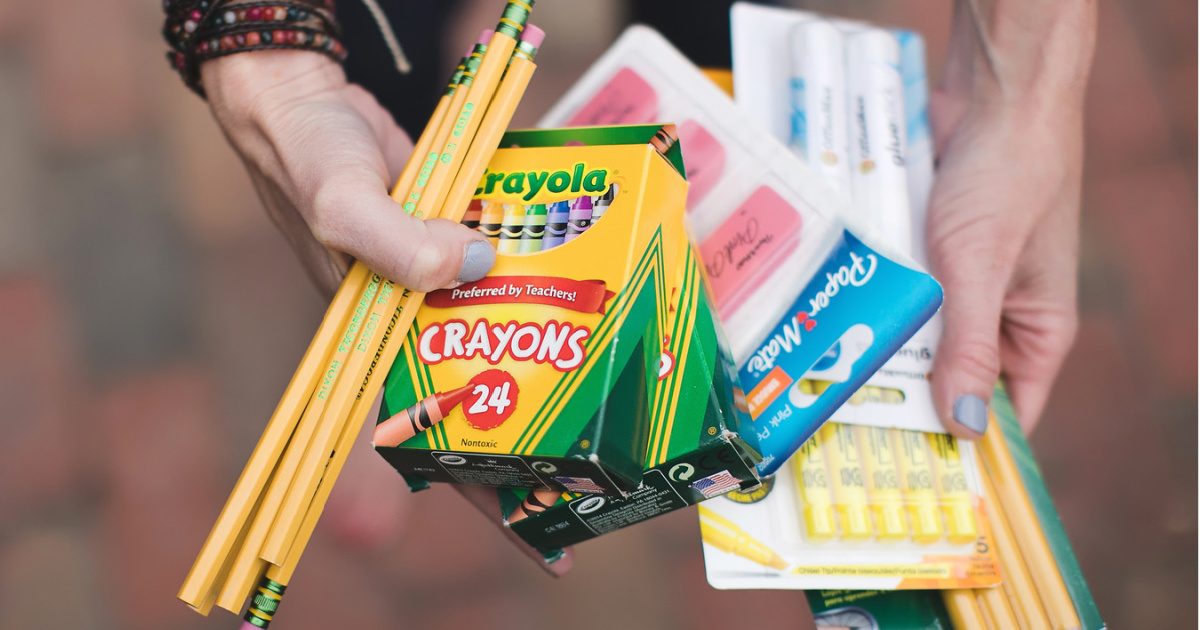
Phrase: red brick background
(150, 316)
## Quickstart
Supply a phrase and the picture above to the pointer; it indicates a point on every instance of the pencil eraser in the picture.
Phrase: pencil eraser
(485, 36)
(533, 35)
(246, 625)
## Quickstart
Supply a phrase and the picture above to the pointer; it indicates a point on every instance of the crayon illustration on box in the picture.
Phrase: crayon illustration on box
(541, 375)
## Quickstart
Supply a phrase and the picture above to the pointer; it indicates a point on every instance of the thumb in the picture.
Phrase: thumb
(355, 215)
(967, 363)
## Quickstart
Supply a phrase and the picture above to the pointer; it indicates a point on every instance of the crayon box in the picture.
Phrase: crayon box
(544, 373)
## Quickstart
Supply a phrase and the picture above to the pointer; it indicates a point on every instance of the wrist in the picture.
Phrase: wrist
(199, 31)
(1023, 56)
(237, 85)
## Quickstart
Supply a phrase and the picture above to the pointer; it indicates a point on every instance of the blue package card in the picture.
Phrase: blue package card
(853, 314)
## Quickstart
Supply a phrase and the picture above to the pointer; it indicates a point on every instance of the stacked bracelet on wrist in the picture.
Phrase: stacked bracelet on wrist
(198, 30)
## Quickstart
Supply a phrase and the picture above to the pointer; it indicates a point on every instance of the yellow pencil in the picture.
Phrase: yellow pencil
(1017, 582)
(1027, 530)
(995, 608)
(217, 559)
(199, 587)
(508, 96)
(277, 577)
(207, 573)
(498, 115)
(458, 137)
(328, 427)
(964, 611)
(246, 564)
(300, 483)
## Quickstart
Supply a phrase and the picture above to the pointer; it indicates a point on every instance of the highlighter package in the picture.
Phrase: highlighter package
(544, 373)
(802, 298)
(851, 101)
(857, 508)
(924, 610)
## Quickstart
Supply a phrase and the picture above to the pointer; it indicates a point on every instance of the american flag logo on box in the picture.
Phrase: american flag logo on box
(582, 485)
(716, 484)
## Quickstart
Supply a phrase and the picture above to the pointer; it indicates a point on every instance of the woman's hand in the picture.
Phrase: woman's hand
(1003, 227)
(323, 154)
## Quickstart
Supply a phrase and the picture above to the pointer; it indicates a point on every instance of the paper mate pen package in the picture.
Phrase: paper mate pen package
(802, 297)
(543, 374)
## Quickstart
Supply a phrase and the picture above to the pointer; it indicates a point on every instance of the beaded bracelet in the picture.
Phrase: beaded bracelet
(200, 30)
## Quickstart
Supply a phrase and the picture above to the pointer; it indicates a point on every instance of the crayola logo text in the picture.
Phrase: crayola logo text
(561, 344)
(530, 183)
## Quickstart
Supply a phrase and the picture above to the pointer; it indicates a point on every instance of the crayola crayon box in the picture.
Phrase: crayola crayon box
(544, 374)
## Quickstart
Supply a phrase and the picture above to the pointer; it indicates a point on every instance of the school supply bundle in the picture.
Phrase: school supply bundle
(275, 504)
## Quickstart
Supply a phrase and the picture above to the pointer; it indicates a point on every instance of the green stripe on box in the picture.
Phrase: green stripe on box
(620, 304)
(590, 395)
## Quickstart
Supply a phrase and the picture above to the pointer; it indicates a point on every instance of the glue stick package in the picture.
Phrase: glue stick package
(803, 298)
(864, 504)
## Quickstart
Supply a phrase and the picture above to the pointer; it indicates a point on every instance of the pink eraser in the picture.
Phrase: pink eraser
(485, 36)
(533, 35)
(246, 625)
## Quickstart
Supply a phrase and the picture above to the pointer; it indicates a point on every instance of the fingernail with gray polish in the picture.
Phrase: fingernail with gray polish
(477, 261)
(972, 412)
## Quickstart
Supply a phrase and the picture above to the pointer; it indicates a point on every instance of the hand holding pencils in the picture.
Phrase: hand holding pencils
(269, 517)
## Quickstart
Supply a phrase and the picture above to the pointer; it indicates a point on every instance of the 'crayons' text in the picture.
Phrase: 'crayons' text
(561, 344)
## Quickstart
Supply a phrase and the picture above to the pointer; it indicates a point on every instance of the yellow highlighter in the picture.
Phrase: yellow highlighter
(812, 486)
(950, 480)
(916, 486)
(725, 535)
(882, 480)
(846, 480)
